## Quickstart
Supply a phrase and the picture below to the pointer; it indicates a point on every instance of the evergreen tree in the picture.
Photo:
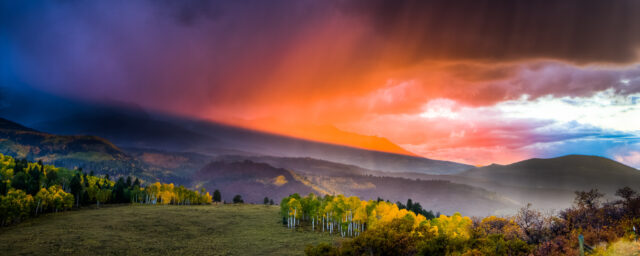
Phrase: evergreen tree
(136, 183)
(86, 181)
(52, 178)
(33, 185)
(19, 167)
(216, 196)
(129, 182)
(86, 199)
(76, 187)
(3, 188)
(19, 181)
(119, 191)
(271, 201)
(237, 199)
(266, 200)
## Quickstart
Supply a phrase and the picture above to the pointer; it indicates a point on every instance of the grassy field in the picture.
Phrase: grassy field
(159, 230)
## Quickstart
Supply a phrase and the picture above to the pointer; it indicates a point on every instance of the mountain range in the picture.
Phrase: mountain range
(548, 183)
(126, 140)
(249, 174)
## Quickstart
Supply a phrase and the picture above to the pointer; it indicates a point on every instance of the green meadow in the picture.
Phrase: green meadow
(159, 230)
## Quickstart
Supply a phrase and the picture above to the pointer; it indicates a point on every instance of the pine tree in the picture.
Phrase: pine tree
(216, 196)
(19, 181)
(119, 191)
(86, 181)
(3, 188)
(266, 200)
(52, 178)
(33, 185)
(86, 199)
(237, 199)
(76, 188)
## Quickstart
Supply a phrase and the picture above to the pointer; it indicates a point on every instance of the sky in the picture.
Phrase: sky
(472, 81)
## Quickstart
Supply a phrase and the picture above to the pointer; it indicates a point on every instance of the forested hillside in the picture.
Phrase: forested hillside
(28, 189)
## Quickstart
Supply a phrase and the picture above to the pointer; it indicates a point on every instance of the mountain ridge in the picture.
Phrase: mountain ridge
(89, 152)
(206, 137)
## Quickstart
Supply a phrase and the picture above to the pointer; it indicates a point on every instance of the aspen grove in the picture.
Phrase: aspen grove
(344, 216)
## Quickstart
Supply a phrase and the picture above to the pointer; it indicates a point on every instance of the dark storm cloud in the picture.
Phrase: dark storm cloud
(578, 31)
(148, 50)
(190, 12)
(197, 55)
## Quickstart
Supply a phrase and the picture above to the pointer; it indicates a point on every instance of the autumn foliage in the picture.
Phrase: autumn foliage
(28, 189)
(607, 228)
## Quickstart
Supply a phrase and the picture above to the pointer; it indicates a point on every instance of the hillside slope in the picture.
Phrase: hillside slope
(252, 180)
(129, 126)
(233, 175)
(67, 151)
(551, 183)
(90, 153)
(570, 172)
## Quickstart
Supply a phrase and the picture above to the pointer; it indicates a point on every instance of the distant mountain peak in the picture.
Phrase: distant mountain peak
(569, 172)
(592, 161)
(10, 125)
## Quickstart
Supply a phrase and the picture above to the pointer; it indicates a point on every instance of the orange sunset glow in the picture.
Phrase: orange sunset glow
(464, 82)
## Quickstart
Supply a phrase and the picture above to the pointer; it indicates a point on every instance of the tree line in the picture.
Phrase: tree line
(591, 226)
(31, 188)
(345, 216)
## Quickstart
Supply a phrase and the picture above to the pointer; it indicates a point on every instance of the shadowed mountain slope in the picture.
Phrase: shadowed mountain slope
(551, 183)
(252, 180)
(323, 177)
(570, 172)
(138, 130)
(90, 153)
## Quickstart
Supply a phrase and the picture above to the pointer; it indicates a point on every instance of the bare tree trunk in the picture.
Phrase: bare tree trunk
(38, 207)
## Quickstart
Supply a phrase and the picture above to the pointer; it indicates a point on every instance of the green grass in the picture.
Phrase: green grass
(159, 230)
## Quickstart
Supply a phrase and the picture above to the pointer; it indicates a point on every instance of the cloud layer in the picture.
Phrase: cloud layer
(460, 80)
